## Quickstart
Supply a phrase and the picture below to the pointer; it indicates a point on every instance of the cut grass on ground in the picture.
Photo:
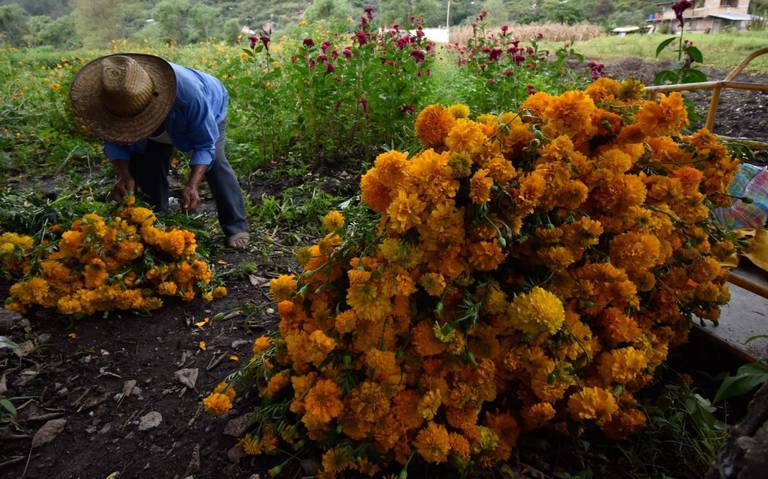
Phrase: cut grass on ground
(722, 51)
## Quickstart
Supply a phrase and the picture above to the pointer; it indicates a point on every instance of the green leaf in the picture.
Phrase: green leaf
(695, 54)
(664, 45)
(665, 76)
(248, 51)
(8, 405)
(747, 378)
(693, 76)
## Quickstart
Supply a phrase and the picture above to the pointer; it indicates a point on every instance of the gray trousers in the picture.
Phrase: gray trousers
(150, 171)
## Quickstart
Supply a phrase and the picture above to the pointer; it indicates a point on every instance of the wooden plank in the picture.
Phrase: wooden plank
(743, 318)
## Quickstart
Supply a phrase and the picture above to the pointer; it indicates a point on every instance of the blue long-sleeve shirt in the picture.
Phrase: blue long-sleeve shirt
(192, 124)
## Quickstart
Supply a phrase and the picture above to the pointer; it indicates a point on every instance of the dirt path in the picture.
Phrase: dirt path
(81, 373)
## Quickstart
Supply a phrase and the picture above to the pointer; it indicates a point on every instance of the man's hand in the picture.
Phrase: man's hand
(125, 183)
(190, 198)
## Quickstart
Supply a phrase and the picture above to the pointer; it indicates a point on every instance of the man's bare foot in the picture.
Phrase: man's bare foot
(239, 240)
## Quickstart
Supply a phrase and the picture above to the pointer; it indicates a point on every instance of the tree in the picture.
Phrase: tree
(329, 10)
(231, 30)
(559, 11)
(203, 19)
(99, 21)
(400, 12)
(13, 24)
(172, 17)
(498, 12)
(58, 32)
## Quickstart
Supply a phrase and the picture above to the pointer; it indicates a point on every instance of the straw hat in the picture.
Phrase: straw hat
(124, 98)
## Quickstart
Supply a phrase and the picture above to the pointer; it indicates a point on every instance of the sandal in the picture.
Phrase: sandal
(239, 240)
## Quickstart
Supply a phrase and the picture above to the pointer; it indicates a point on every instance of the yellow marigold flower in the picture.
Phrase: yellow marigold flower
(495, 301)
(621, 365)
(405, 212)
(250, 445)
(480, 187)
(219, 292)
(635, 252)
(433, 283)
(433, 443)
(217, 404)
(466, 137)
(429, 404)
(536, 312)
(592, 403)
(433, 124)
(665, 117)
(488, 440)
(283, 287)
(631, 89)
(141, 216)
(459, 110)
(333, 221)
(460, 164)
(537, 415)
(323, 402)
(261, 344)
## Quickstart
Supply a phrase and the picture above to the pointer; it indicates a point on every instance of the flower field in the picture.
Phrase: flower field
(476, 260)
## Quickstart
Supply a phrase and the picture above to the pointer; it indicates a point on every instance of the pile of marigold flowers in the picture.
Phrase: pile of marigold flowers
(102, 264)
(529, 270)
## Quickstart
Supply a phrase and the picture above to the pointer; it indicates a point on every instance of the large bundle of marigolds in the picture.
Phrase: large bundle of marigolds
(529, 270)
(102, 264)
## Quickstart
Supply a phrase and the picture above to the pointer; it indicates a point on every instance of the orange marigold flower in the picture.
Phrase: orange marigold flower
(537, 415)
(485, 255)
(217, 404)
(323, 402)
(424, 340)
(480, 187)
(592, 403)
(621, 365)
(433, 443)
(374, 192)
(665, 117)
(570, 114)
(433, 124)
(390, 167)
(219, 292)
(624, 423)
(617, 327)
(405, 212)
(603, 90)
(345, 321)
(261, 344)
(250, 445)
(466, 137)
(459, 446)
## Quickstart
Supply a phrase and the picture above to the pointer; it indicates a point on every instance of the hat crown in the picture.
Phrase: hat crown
(127, 88)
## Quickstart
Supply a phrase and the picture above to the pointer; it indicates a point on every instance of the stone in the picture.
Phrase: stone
(9, 319)
(150, 420)
(236, 427)
(187, 377)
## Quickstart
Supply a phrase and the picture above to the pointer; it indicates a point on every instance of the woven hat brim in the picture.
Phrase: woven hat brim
(85, 95)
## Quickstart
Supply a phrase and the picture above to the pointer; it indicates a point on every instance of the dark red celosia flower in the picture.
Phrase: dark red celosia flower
(483, 66)
(360, 37)
(311, 64)
(347, 52)
(309, 43)
(492, 82)
(679, 8)
(325, 45)
(294, 58)
(482, 15)
(430, 47)
(540, 36)
(518, 58)
(504, 29)
(418, 55)
(329, 68)
(420, 33)
(334, 54)
(364, 105)
(494, 54)
(322, 58)
(254, 40)
(509, 73)
(265, 41)
(368, 9)
(403, 41)
(531, 89)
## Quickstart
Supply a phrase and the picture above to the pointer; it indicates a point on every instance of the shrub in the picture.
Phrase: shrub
(528, 270)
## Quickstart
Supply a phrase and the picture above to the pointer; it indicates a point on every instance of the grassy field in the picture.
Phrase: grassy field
(723, 51)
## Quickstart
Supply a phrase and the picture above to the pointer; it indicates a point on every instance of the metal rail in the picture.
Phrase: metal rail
(717, 87)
